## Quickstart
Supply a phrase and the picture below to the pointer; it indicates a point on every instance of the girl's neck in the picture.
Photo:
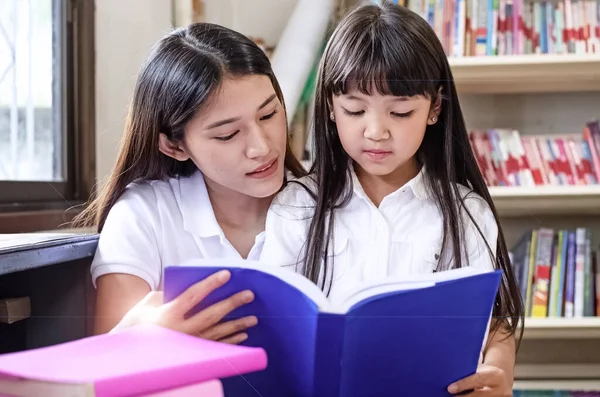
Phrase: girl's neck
(240, 216)
(376, 187)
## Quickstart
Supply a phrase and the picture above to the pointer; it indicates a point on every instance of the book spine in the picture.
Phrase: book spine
(579, 271)
(592, 148)
(574, 161)
(553, 302)
(570, 277)
(542, 272)
(588, 162)
(530, 273)
(328, 355)
(562, 272)
(588, 277)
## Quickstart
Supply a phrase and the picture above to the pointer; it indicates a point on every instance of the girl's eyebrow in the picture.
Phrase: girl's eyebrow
(395, 98)
(234, 119)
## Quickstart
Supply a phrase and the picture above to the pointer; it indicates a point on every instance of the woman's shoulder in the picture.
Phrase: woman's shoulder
(297, 191)
(296, 200)
(149, 192)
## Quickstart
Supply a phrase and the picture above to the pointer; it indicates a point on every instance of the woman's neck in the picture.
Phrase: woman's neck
(376, 187)
(240, 216)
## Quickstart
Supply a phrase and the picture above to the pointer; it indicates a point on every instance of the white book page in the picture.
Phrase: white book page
(417, 281)
(36, 388)
(22, 239)
(297, 280)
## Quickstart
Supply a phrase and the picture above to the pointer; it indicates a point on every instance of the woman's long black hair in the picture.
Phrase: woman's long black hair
(394, 51)
(180, 76)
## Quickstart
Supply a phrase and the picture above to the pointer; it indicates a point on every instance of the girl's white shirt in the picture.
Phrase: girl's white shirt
(162, 223)
(401, 237)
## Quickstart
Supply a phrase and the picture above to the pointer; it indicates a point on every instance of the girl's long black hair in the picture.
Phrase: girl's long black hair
(394, 51)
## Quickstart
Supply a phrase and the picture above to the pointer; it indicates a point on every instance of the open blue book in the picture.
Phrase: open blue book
(409, 337)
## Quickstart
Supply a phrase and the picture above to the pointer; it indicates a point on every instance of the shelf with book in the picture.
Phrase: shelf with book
(562, 328)
(531, 73)
(541, 174)
(546, 200)
(523, 388)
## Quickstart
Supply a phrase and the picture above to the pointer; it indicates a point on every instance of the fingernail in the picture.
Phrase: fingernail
(251, 321)
(452, 388)
(223, 275)
(243, 337)
(247, 296)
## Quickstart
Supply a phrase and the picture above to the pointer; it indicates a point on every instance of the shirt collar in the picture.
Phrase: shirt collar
(196, 208)
(417, 186)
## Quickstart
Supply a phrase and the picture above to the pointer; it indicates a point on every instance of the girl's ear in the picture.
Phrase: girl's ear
(436, 108)
(172, 149)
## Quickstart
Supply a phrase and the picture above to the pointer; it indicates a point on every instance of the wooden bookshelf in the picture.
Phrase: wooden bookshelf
(587, 385)
(526, 73)
(547, 200)
(539, 94)
(562, 328)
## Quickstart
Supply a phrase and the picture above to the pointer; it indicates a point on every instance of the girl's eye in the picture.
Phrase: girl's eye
(268, 116)
(352, 114)
(402, 115)
(226, 138)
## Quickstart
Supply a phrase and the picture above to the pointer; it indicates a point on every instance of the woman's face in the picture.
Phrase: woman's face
(238, 141)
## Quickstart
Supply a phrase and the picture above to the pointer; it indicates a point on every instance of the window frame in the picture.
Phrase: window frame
(32, 206)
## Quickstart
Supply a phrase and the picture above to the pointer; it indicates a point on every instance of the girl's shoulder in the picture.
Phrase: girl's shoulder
(473, 202)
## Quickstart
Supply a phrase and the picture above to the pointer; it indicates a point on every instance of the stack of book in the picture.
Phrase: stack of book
(145, 360)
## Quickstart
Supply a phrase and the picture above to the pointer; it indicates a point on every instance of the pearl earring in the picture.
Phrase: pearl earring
(433, 119)
(332, 116)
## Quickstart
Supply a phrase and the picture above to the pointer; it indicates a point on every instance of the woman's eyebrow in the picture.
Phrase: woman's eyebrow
(234, 119)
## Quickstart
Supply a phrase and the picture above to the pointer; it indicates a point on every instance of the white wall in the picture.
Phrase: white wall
(258, 18)
(125, 31)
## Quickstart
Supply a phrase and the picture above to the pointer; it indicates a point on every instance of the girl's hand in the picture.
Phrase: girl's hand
(487, 381)
(204, 324)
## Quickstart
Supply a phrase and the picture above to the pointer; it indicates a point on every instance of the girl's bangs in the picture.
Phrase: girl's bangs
(376, 64)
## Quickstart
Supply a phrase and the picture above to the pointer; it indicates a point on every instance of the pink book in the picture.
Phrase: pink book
(137, 361)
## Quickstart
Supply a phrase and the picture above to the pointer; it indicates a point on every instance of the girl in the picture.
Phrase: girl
(204, 152)
(395, 188)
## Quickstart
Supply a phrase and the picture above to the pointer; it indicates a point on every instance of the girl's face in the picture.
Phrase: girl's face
(238, 142)
(382, 133)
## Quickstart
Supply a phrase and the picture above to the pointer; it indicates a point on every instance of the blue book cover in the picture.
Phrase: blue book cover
(413, 336)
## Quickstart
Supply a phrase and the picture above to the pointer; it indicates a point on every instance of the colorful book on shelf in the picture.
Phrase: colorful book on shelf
(507, 158)
(417, 334)
(142, 360)
(513, 27)
(558, 272)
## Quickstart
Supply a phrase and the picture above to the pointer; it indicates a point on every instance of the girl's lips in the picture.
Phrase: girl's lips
(377, 154)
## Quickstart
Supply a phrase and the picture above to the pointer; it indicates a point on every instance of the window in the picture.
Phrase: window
(46, 104)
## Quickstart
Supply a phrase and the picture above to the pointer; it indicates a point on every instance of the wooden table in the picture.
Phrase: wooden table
(53, 271)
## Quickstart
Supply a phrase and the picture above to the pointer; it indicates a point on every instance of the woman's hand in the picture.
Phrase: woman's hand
(204, 324)
(487, 381)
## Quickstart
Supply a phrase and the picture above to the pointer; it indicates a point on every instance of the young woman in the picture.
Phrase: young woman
(204, 152)
(395, 188)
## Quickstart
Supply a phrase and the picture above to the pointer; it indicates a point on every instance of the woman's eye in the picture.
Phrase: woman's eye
(268, 116)
(353, 114)
(226, 138)
(402, 115)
